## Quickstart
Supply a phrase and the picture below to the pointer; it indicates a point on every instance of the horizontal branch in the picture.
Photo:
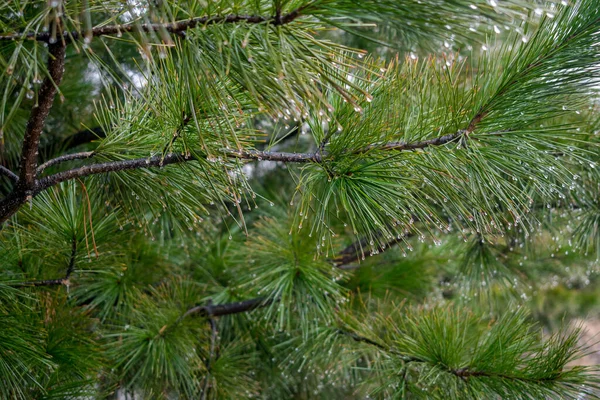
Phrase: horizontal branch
(354, 252)
(47, 282)
(111, 166)
(54, 282)
(157, 161)
(175, 158)
(64, 158)
(276, 156)
(362, 339)
(401, 146)
(10, 204)
(218, 310)
(172, 27)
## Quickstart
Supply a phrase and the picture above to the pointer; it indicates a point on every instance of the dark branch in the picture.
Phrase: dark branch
(25, 188)
(54, 282)
(64, 158)
(173, 27)
(363, 339)
(11, 203)
(111, 166)
(211, 355)
(354, 252)
(160, 161)
(8, 173)
(37, 119)
(218, 310)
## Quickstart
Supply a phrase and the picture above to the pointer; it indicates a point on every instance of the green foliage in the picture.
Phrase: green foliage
(217, 156)
(301, 287)
(441, 352)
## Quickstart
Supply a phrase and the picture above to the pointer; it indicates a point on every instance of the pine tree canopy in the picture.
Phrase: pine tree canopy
(299, 199)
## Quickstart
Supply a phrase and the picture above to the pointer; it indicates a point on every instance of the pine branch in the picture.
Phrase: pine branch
(362, 339)
(37, 119)
(9, 174)
(158, 161)
(173, 158)
(211, 356)
(26, 184)
(348, 255)
(438, 141)
(11, 203)
(354, 252)
(463, 373)
(64, 158)
(173, 27)
(55, 282)
(219, 310)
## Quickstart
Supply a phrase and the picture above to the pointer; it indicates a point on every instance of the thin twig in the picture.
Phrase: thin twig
(402, 146)
(211, 356)
(9, 174)
(186, 120)
(353, 253)
(54, 282)
(64, 158)
(218, 310)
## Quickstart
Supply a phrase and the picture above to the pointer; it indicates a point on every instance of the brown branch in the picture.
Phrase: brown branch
(10, 204)
(172, 27)
(160, 161)
(276, 156)
(25, 188)
(173, 158)
(37, 118)
(362, 339)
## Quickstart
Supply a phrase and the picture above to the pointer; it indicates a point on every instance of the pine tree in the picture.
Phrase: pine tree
(302, 199)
